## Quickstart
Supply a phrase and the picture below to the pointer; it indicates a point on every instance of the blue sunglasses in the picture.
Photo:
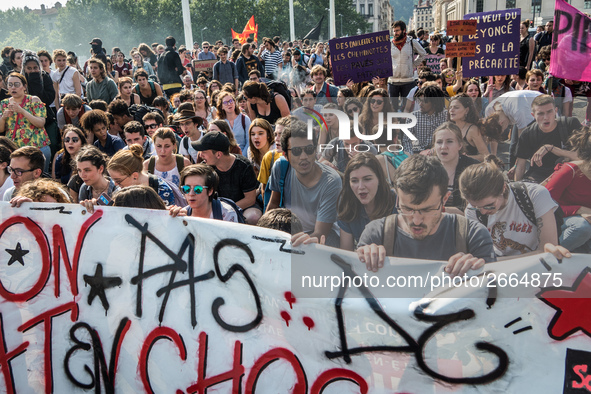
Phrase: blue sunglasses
(186, 189)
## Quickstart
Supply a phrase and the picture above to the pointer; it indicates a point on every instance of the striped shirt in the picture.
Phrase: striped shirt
(272, 61)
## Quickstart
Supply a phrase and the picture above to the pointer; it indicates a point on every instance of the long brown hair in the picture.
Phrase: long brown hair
(366, 116)
(349, 206)
(220, 105)
(263, 124)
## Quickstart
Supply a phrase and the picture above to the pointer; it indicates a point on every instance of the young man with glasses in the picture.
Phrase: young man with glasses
(310, 189)
(237, 178)
(135, 133)
(421, 230)
(152, 122)
(206, 54)
(26, 165)
(190, 126)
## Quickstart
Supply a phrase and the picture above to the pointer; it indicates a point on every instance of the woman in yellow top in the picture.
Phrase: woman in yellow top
(23, 117)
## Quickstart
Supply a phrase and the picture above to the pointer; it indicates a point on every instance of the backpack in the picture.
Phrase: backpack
(185, 144)
(179, 199)
(137, 111)
(216, 207)
(527, 207)
(281, 88)
(391, 225)
(284, 166)
(180, 163)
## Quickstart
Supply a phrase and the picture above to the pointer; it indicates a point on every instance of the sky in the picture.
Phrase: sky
(32, 4)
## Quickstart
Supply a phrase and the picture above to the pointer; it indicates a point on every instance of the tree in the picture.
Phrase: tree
(12, 23)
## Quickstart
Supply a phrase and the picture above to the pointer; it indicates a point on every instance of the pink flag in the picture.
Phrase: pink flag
(571, 44)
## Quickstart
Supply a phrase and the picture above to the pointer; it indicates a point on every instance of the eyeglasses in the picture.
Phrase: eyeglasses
(151, 126)
(118, 181)
(17, 171)
(229, 102)
(353, 110)
(488, 207)
(374, 101)
(297, 151)
(205, 47)
(73, 139)
(199, 98)
(186, 189)
(405, 211)
(14, 84)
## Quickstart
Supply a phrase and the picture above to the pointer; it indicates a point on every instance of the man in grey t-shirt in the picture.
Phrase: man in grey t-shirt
(311, 189)
(422, 230)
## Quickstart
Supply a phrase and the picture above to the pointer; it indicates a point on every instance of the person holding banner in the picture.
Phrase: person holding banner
(407, 54)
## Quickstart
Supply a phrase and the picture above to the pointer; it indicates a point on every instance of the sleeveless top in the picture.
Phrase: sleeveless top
(65, 80)
(171, 176)
(469, 149)
(273, 115)
(147, 100)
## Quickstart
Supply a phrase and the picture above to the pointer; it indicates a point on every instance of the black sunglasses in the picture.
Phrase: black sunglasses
(73, 139)
(374, 101)
(297, 151)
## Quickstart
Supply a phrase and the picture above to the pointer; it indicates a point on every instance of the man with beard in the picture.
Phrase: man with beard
(421, 230)
(406, 55)
(247, 62)
(310, 189)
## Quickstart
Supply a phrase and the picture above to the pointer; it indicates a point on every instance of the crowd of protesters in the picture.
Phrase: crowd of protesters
(152, 129)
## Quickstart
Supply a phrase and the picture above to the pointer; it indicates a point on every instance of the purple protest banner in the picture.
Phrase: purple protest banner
(497, 44)
(360, 58)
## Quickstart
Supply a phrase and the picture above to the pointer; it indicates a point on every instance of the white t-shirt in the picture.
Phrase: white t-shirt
(7, 185)
(411, 97)
(67, 84)
(188, 152)
(228, 213)
(512, 233)
(516, 105)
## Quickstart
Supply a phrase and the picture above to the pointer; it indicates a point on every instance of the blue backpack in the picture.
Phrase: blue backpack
(284, 166)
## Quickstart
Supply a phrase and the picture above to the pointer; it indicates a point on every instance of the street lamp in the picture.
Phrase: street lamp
(205, 28)
(341, 15)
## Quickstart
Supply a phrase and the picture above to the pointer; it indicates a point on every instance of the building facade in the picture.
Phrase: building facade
(422, 16)
(538, 11)
(378, 13)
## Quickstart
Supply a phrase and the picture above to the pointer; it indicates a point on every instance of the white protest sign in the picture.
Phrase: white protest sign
(131, 300)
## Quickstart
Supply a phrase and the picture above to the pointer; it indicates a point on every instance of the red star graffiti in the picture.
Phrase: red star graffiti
(572, 305)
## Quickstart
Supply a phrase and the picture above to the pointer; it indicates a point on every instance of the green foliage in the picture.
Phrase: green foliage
(126, 23)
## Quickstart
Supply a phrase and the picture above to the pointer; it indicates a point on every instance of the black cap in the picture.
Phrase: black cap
(96, 41)
(213, 140)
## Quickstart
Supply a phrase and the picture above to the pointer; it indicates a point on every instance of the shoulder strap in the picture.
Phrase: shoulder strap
(243, 122)
(152, 164)
(461, 234)
(562, 130)
(63, 75)
(153, 87)
(137, 89)
(216, 208)
(390, 230)
(523, 201)
(180, 162)
(386, 160)
(185, 143)
(284, 166)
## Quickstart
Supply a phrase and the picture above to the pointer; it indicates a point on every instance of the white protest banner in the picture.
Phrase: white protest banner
(131, 301)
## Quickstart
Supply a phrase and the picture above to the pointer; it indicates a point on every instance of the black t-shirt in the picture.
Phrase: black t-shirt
(239, 179)
(532, 138)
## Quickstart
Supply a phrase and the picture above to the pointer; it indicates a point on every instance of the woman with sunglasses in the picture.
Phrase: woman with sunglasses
(126, 169)
(73, 139)
(239, 123)
(365, 196)
(91, 164)
(452, 81)
(377, 104)
(199, 183)
(23, 117)
(493, 201)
